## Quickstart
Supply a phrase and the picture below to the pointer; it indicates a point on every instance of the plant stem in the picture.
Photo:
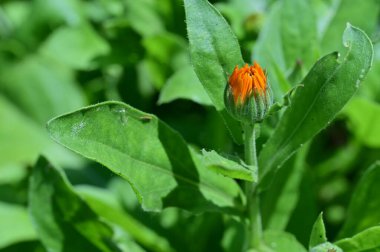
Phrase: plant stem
(255, 227)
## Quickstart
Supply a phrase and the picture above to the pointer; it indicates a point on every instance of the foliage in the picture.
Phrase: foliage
(115, 136)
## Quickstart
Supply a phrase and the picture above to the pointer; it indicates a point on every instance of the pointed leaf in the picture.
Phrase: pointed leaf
(215, 52)
(327, 88)
(318, 233)
(153, 158)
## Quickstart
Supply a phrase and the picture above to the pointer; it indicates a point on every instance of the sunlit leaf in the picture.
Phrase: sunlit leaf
(153, 158)
(215, 52)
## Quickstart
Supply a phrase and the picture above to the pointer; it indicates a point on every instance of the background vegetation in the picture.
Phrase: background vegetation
(57, 56)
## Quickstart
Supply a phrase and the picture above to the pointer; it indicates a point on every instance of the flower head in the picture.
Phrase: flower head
(248, 95)
(247, 81)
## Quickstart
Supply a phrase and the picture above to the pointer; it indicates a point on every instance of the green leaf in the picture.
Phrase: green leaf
(364, 203)
(365, 126)
(363, 15)
(327, 88)
(282, 242)
(15, 225)
(61, 218)
(165, 53)
(153, 158)
(143, 17)
(21, 141)
(214, 53)
(326, 247)
(184, 84)
(368, 240)
(279, 201)
(288, 36)
(70, 11)
(244, 21)
(371, 88)
(43, 88)
(227, 167)
(75, 46)
(318, 233)
(106, 204)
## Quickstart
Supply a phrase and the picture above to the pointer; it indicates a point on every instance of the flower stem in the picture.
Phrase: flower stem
(255, 227)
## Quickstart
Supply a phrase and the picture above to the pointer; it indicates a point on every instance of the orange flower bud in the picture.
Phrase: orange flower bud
(248, 95)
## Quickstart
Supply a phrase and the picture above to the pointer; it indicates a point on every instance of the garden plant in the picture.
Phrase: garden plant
(189, 125)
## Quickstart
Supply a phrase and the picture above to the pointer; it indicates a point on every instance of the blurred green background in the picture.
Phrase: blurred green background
(59, 55)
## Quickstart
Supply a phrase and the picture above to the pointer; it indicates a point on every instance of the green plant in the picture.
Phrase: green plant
(252, 190)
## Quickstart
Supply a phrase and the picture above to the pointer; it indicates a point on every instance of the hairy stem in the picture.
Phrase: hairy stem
(255, 227)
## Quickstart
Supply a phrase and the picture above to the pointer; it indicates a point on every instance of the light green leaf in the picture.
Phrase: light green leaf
(279, 201)
(214, 53)
(371, 88)
(105, 204)
(326, 247)
(244, 21)
(15, 225)
(184, 84)
(153, 158)
(327, 88)
(282, 242)
(69, 11)
(61, 218)
(76, 46)
(318, 233)
(21, 141)
(143, 17)
(365, 126)
(43, 88)
(227, 167)
(363, 15)
(364, 203)
(368, 240)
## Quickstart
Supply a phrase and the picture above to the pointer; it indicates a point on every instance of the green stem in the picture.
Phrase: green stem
(255, 227)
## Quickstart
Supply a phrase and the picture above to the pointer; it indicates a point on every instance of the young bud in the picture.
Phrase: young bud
(248, 96)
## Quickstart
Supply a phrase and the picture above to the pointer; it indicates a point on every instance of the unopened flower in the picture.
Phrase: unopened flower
(247, 95)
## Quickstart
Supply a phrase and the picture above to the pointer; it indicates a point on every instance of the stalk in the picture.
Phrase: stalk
(255, 226)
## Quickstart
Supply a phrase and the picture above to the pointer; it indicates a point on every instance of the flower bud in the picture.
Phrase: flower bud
(248, 96)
